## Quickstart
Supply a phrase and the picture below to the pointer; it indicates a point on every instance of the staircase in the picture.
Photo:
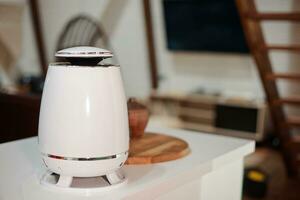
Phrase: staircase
(251, 21)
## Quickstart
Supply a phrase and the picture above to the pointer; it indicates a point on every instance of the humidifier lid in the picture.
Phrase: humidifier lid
(84, 55)
(84, 52)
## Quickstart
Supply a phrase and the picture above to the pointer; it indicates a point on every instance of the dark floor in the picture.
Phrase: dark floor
(280, 187)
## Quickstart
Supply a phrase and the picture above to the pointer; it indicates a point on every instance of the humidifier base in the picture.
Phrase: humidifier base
(56, 181)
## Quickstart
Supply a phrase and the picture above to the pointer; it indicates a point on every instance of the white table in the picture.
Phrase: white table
(213, 171)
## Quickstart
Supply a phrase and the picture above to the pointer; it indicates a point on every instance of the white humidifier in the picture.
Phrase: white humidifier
(83, 125)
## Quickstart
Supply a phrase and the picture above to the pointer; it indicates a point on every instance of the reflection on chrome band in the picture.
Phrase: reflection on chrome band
(86, 159)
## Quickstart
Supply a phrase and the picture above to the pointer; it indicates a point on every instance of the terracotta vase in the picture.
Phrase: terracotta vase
(138, 116)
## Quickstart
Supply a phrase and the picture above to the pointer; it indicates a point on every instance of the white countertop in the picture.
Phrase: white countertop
(20, 164)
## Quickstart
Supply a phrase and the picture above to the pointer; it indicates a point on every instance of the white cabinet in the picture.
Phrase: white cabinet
(212, 171)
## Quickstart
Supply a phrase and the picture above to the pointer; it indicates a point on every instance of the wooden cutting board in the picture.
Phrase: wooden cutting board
(156, 147)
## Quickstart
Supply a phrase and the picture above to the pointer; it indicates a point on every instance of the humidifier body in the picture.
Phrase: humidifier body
(83, 125)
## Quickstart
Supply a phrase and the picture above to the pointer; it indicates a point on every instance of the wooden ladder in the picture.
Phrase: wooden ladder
(283, 124)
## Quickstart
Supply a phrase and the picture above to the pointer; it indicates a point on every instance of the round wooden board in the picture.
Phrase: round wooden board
(156, 147)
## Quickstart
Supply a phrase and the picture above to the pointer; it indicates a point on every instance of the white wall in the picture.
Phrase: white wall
(123, 20)
(28, 61)
(217, 72)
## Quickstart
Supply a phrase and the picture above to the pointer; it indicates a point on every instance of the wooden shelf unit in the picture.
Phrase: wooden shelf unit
(199, 112)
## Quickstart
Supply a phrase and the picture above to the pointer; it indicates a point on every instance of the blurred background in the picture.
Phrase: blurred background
(219, 66)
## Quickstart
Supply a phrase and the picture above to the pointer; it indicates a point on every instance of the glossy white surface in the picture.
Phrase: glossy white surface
(214, 160)
(83, 115)
(84, 52)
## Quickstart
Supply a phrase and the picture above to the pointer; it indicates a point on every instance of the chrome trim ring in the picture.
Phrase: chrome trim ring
(85, 159)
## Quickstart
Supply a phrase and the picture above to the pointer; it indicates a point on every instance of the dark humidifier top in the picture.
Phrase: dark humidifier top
(84, 55)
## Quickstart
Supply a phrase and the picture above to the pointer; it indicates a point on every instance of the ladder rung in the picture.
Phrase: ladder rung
(293, 121)
(275, 16)
(288, 100)
(283, 47)
(289, 76)
(296, 140)
(294, 146)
